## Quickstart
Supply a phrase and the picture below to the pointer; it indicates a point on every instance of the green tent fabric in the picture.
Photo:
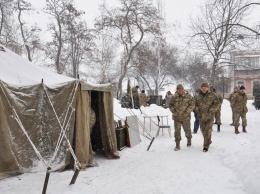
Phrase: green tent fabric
(34, 110)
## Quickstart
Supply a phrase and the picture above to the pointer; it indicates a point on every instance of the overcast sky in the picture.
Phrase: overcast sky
(176, 11)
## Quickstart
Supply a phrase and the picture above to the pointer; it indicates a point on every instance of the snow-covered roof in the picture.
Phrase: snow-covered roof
(18, 71)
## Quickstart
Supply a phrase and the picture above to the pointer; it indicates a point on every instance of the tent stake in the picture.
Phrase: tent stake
(75, 175)
(150, 144)
(46, 180)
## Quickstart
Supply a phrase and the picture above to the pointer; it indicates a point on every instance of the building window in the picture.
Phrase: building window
(240, 83)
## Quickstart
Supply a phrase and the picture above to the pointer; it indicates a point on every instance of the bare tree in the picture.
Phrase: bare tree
(103, 58)
(131, 21)
(213, 31)
(58, 10)
(8, 27)
(79, 39)
(146, 60)
(193, 69)
(30, 38)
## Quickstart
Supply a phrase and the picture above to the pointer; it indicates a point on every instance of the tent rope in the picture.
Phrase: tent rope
(18, 120)
(140, 123)
(28, 137)
(77, 164)
(134, 128)
(61, 135)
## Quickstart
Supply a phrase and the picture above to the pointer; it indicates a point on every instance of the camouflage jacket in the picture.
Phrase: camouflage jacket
(181, 106)
(206, 105)
(134, 93)
(231, 99)
(220, 100)
(143, 99)
(239, 104)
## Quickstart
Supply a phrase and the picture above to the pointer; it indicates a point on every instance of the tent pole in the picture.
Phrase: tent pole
(75, 175)
(46, 180)
(150, 144)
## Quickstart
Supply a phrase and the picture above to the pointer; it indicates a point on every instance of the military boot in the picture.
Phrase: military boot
(189, 142)
(244, 129)
(218, 128)
(236, 130)
(177, 148)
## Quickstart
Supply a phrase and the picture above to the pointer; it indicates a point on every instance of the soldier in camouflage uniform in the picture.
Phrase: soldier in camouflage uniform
(135, 93)
(181, 105)
(143, 99)
(231, 100)
(218, 113)
(206, 104)
(240, 109)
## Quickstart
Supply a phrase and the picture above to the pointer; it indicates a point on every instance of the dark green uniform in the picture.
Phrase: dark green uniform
(218, 113)
(240, 108)
(206, 105)
(181, 107)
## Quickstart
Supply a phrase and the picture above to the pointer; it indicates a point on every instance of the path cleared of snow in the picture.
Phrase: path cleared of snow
(230, 167)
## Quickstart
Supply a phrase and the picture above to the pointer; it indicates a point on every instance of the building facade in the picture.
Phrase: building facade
(245, 71)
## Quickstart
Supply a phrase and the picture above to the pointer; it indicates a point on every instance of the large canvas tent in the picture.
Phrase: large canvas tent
(37, 106)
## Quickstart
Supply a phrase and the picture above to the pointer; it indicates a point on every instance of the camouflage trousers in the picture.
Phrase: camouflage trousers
(177, 129)
(206, 129)
(217, 118)
(237, 117)
(233, 119)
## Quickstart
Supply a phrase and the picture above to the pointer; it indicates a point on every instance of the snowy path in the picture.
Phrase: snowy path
(232, 166)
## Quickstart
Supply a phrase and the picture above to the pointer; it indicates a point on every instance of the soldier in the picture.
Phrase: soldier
(135, 93)
(196, 119)
(181, 105)
(168, 97)
(135, 96)
(218, 113)
(231, 100)
(143, 99)
(240, 109)
(206, 104)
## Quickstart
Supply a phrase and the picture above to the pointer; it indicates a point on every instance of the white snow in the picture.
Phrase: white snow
(18, 71)
(231, 166)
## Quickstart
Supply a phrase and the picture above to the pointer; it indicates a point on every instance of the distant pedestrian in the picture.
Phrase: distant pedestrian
(196, 121)
(206, 104)
(135, 93)
(231, 100)
(240, 109)
(135, 97)
(181, 105)
(168, 97)
(143, 99)
(218, 113)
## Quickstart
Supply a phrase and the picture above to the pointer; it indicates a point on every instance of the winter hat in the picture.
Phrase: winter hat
(242, 88)
(179, 86)
(204, 84)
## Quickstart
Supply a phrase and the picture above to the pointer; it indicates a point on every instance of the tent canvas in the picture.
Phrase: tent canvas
(43, 103)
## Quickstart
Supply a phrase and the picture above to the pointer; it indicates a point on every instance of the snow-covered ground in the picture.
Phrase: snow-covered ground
(231, 166)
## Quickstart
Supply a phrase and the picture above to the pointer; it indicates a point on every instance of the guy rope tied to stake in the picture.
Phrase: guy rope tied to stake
(77, 164)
